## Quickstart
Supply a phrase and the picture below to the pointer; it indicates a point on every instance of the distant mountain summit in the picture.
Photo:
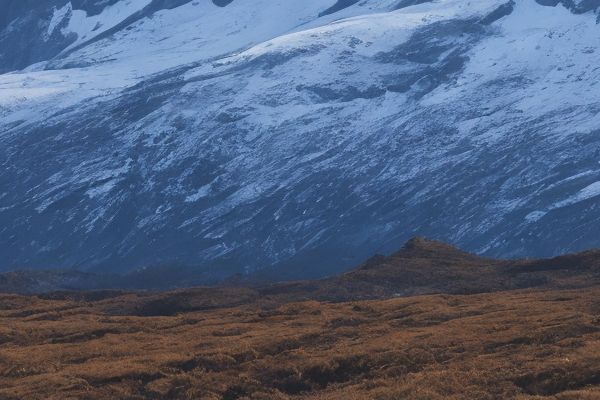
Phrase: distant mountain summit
(237, 136)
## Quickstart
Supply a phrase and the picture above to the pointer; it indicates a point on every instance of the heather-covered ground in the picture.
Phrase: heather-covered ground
(519, 344)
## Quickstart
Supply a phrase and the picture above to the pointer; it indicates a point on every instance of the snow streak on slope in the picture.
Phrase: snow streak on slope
(260, 134)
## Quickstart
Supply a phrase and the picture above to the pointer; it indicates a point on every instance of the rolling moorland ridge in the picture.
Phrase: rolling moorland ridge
(429, 322)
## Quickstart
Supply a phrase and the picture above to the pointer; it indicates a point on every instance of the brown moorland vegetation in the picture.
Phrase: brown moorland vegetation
(292, 341)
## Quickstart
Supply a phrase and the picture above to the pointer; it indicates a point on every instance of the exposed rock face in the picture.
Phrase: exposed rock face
(235, 137)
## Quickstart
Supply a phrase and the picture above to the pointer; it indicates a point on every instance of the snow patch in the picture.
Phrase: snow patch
(57, 18)
(586, 193)
(102, 189)
(87, 27)
(535, 216)
(200, 193)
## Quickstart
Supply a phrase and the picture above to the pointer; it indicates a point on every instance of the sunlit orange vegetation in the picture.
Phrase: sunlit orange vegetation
(523, 344)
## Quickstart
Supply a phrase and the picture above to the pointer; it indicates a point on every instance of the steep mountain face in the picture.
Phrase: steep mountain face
(243, 135)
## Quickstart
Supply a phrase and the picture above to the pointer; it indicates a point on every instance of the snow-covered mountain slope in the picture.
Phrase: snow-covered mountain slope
(264, 133)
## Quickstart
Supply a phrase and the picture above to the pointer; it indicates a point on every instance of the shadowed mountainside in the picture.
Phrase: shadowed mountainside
(239, 138)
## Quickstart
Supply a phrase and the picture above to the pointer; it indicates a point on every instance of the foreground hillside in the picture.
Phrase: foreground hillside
(521, 344)
(534, 334)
